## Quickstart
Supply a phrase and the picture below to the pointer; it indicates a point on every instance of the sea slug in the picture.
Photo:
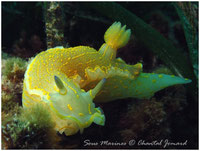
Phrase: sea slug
(68, 80)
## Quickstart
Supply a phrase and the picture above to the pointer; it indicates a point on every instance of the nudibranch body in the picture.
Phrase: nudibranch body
(68, 80)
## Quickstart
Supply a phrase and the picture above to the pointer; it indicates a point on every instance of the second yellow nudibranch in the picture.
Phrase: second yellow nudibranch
(69, 80)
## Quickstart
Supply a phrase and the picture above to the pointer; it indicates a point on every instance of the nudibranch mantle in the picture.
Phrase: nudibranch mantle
(68, 80)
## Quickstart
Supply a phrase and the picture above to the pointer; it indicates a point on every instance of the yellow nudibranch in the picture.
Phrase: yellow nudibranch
(68, 80)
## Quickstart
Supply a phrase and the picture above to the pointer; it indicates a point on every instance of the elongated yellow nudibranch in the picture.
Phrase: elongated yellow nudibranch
(67, 80)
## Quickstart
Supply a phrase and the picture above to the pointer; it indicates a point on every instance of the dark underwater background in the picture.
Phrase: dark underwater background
(164, 39)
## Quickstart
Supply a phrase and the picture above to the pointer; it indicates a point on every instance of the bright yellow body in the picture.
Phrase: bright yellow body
(68, 79)
(82, 64)
(60, 77)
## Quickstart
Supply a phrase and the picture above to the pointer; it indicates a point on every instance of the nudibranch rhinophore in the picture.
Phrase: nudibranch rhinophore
(68, 80)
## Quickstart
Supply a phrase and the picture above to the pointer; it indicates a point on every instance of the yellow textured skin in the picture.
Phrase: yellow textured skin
(59, 78)
(67, 80)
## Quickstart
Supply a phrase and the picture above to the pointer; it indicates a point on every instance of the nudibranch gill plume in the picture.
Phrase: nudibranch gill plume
(70, 80)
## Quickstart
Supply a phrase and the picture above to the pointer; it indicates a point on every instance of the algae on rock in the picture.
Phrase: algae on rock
(29, 129)
(13, 70)
(54, 24)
